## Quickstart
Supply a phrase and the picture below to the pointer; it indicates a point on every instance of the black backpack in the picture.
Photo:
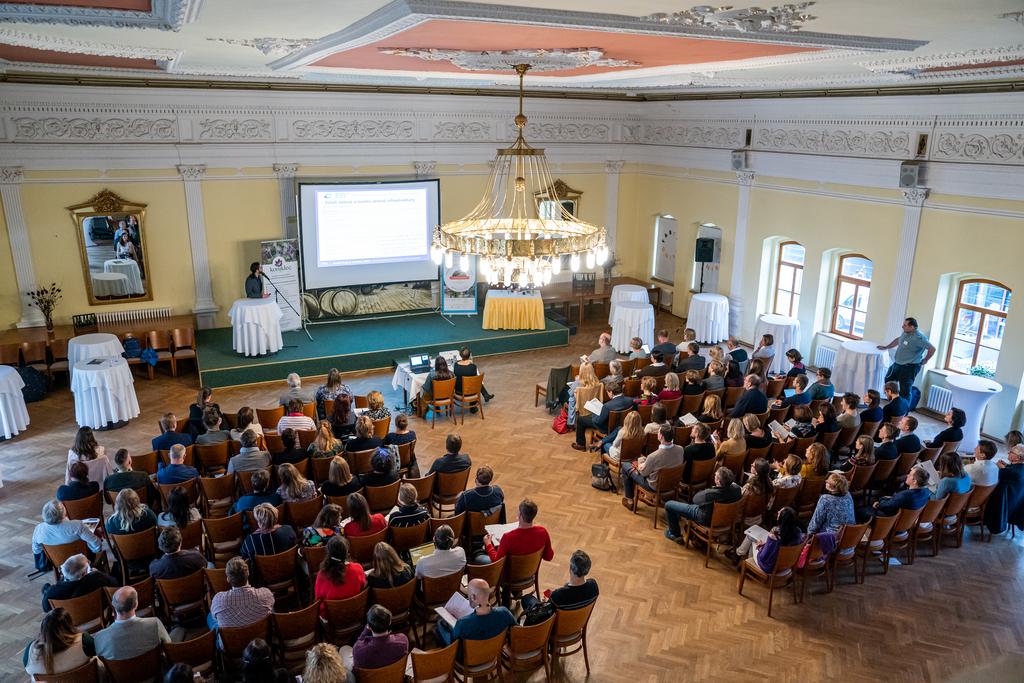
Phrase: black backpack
(35, 384)
(601, 477)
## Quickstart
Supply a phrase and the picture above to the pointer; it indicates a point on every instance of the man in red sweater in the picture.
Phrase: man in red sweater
(524, 540)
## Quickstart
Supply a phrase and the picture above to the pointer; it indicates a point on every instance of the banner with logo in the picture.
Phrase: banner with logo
(280, 262)
(458, 289)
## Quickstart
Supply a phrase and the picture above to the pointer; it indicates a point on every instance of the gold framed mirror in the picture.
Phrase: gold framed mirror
(111, 240)
(567, 197)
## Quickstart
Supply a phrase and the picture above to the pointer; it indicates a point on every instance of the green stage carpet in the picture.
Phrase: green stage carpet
(362, 345)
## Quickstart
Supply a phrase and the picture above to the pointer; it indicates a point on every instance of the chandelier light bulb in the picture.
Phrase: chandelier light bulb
(436, 255)
(574, 263)
(464, 263)
(485, 268)
(591, 260)
(556, 265)
(508, 278)
(449, 259)
(602, 256)
(522, 278)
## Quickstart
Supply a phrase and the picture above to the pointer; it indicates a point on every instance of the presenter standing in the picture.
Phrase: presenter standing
(254, 283)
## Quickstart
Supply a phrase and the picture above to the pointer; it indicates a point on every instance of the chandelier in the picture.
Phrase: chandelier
(516, 240)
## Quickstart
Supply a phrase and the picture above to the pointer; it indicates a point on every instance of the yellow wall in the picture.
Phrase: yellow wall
(10, 297)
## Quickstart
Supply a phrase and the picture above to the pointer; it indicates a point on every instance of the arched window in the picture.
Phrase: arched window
(853, 288)
(789, 276)
(978, 323)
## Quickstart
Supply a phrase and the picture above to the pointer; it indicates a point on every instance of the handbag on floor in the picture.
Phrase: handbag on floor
(561, 422)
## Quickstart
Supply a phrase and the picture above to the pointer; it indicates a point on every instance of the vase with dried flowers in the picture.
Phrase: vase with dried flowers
(46, 299)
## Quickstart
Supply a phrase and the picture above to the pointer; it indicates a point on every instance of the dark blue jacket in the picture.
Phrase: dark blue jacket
(886, 451)
(168, 439)
(752, 401)
(908, 499)
(908, 444)
(618, 403)
(898, 407)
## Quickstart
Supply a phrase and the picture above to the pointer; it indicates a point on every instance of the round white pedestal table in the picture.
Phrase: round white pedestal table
(128, 268)
(256, 327)
(110, 284)
(104, 392)
(632, 319)
(13, 413)
(622, 293)
(971, 394)
(89, 346)
(860, 366)
(709, 317)
(786, 332)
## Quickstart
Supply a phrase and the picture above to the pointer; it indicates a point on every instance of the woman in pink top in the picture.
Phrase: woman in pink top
(87, 451)
(363, 523)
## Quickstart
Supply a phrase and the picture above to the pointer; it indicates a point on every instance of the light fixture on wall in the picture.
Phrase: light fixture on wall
(504, 229)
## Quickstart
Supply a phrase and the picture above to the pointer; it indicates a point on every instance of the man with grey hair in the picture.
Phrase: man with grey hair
(249, 457)
(294, 390)
(578, 592)
(57, 529)
(604, 353)
(79, 579)
(483, 623)
(130, 635)
(614, 373)
(177, 472)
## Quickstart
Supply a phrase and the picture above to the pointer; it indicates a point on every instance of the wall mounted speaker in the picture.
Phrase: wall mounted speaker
(910, 174)
(739, 160)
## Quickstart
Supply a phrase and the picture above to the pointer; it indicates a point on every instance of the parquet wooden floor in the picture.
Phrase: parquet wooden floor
(662, 616)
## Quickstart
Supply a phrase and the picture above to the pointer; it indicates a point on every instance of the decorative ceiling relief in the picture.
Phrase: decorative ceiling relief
(696, 135)
(1014, 16)
(890, 144)
(915, 65)
(780, 19)
(272, 47)
(234, 129)
(111, 129)
(462, 130)
(164, 15)
(162, 56)
(332, 129)
(558, 59)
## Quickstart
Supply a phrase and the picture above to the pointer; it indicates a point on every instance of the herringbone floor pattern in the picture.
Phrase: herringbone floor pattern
(662, 616)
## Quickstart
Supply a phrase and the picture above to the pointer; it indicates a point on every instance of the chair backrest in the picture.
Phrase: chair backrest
(433, 664)
(438, 590)
(883, 470)
(276, 568)
(784, 497)
(723, 515)
(755, 453)
(406, 537)
(443, 390)
(269, 417)
(346, 616)
(520, 568)
(700, 471)
(392, 673)
(810, 492)
(672, 406)
(138, 546)
(217, 488)
(146, 588)
(86, 611)
(846, 437)
(778, 450)
(302, 513)
(529, 642)
(274, 443)
(360, 462)
(314, 557)
(861, 476)
(787, 558)
(979, 496)
(225, 537)
(382, 498)
(361, 547)
(691, 403)
(478, 520)
(869, 429)
(145, 462)
(213, 457)
(755, 504)
(471, 386)
(645, 412)
(775, 387)
(617, 417)
(165, 456)
(306, 436)
(881, 527)
(296, 632)
(456, 522)
(477, 654)
(397, 600)
(669, 479)
(183, 338)
(732, 396)
(381, 427)
(849, 537)
(932, 510)
(905, 521)
(801, 445)
(779, 414)
(184, 593)
(491, 573)
(957, 503)
(216, 580)
(85, 508)
(930, 453)
(10, 354)
(234, 640)
(631, 388)
(424, 486)
(904, 464)
(571, 624)
(947, 447)
(451, 484)
(87, 673)
(200, 652)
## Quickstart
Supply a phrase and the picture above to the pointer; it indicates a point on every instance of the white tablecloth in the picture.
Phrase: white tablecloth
(971, 394)
(632, 319)
(13, 413)
(622, 293)
(110, 284)
(411, 382)
(860, 366)
(256, 326)
(787, 336)
(104, 392)
(128, 268)
(709, 317)
(89, 346)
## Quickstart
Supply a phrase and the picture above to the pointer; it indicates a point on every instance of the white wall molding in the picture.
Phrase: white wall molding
(11, 178)
(165, 15)
(899, 290)
(744, 179)
(613, 168)
(285, 174)
(205, 307)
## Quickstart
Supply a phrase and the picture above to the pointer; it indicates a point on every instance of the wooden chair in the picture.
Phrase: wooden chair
(345, 617)
(724, 517)
(320, 469)
(60, 552)
(278, 572)
(782, 498)
(631, 388)
(480, 658)
(306, 437)
(87, 673)
(59, 354)
(904, 464)
(424, 486)
(361, 401)
(442, 399)
(456, 522)
(184, 345)
(950, 524)
(844, 439)
(432, 593)
(200, 653)
(778, 450)
(801, 444)
(392, 673)
(815, 564)
(224, 538)
(90, 507)
(145, 462)
(753, 454)
(213, 458)
(296, 632)
(138, 669)
(309, 410)
(86, 611)
(398, 600)
(160, 341)
(807, 498)
(880, 477)
(779, 414)
(146, 590)
(570, 634)
(645, 412)
(845, 553)
(274, 443)
(190, 457)
(33, 355)
(301, 514)
(10, 354)
(521, 575)
(875, 541)
(405, 538)
(781, 576)
(478, 522)
(382, 498)
(700, 474)
(859, 477)
(974, 512)
(528, 647)
(471, 396)
(433, 664)
(190, 486)
(407, 458)
(902, 536)
(139, 548)
(927, 526)
(192, 535)
(491, 573)
(234, 640)
(360, 461)
(669, 483)
(183, 598)
(869, 429)
(449, 486)
(732, 397)
(313, 557)
(269, 417)
(361, 547)
(950, 447)
(672, 406)
(930, 453)
(690, 405)
(216, 581)
(218, 495)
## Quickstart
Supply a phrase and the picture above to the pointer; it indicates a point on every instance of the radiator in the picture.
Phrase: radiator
(940, 399)
(134, 315)
(824, 357)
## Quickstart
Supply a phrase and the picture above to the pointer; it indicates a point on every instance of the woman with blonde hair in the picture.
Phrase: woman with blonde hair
(294, 487)
(756, 436)
(269, 537)
(816, 462)
(324, 665)
(377, 409)
(585, 387)
(715, 353)
(648, 385)
(711, 411)
(131, 515)
(789, 472)
(736, 439)
(325, 445)
(332, 389)
(834, 508)
(340, 481)
(364, 439)
(671, 390)
(632, 428)
(389, 570)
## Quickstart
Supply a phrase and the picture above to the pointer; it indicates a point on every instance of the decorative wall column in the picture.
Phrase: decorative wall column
(205, 308)
(611, 207)
(17, 232)
(286, 189)
(900, 292)
(739, 250)
(424, 169)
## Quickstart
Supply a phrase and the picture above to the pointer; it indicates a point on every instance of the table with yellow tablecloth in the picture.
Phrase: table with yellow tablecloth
(505, 310)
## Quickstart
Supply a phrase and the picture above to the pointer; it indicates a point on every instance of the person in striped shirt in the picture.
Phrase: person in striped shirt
(295, 418)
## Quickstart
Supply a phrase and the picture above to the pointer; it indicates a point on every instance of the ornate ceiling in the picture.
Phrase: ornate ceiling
(598, 46)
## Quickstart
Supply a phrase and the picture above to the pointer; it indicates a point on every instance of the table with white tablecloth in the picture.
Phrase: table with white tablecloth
(709, 317)
(622, 293)
(860, 365)
(409, 382)
(104, 392)
(786, 333)
(632, 319)
(518, 310)
(89, 346)
(109, 284)
(130, 269)
(13, 413)
(971, 394)
(256, 327)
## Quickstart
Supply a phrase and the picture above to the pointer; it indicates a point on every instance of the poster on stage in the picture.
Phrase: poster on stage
(356, 301)
(458, 290)
(280, 262)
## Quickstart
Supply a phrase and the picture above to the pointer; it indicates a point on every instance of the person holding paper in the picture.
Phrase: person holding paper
(954, 478)
(764, 548)
(711, 411)
(800, 425)
(585, 387)
(483, 623)
(736, 439)
(600, 421)
(645, 472)
(913, 498)
(725, 490)
(800, 396)
(752, 400)
(526, 539)
(834, 508)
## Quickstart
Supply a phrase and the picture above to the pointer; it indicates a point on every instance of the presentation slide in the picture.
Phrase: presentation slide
(367, 233)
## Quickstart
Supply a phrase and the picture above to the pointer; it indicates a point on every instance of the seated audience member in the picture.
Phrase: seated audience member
(604, 353)
(131, 515)
(664, 346)
(363, 522)
(796, 360)
(483, 497)
(914, 497)
(693, 360)
(956, 419)
(614, 373)
(79, 486)
(671, 390)
(826, 422)
(725, 490)
(343, 419)
(258, 665)
(716, 353)
(269, 537)
(170, 436)
(245, 419)
(79, 579)
(648, 392)
(711, 411)
(908, 441)
(180, 511)
(249, 457)
(752, 400)
(756, 435)
(294, 391)
(389, 570)
(733, 376)
(57, 529)
(176, 472)
(578, 592)
(483, 623)
(452, 460)
(325, 445)
(803, 427)
(364, 439)
(636, 348)
(212, 421)
(376, 646)
(618, 401)
(294, 487)
(129, 635)
(863, 455)
(632, 428)
(376, 410)
(759, 368)
(293, 453)
(789, 472)
(765, 350)
(382, 469)
(260, 482)
(689, 335)
(466, 367)
(738, 353)
(657, 368)
(659, 416)
(646, 468)
(897, 405)
(124, 477)
(716, 376)
(822, 388)
(873, 412)
(759, 483)
(584, 387)
(1014, 437)
(409, 512)
(848, 418)
(197, 411)
(294, 418)
(326, 526)
(324, 665)
(816, 465)
(736, 439)
(983, 471)
(340, 481)
(699, 448)
(447, 558)
(800, 396)
(402, 434)
(59, 647)
(241, 604)
(92, 455)
(526, 539)
(953, 477)
(440, 373)
(1005, 507)
(765, 554)
(332, 390)
(886, 450)
(693, 385)
(338, 578)
(834, 508)
(175, 562)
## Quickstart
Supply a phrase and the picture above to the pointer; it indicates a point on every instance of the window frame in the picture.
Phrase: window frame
(857, 283)
(957, 306)
(779, 262)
